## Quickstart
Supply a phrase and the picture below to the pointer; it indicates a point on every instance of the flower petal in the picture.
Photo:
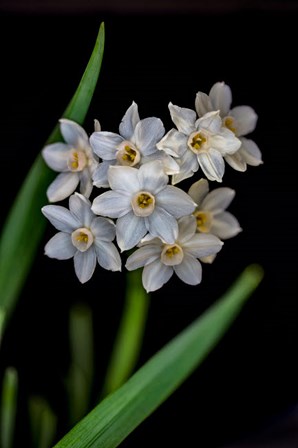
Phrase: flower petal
(218, 199)
(221, 97)
(152, 177)
(60, 247)
(84, 264)
(103, 229)
(107, 255)
(246, 119)
(212, 164)
(112, 204)
(188, 166)
(72, 132)
(80, 207)
(250, 152)
(86, 184)
(61, 218)
(225, 226)
(170, 166)
(173, 143)
(143, 256)
(56, 156)
(202, 245)
(104, 144)
(203, 104)
(226, 142)
(124, 178)
(236, 161)
(175, 201)
(187, 228)
(163, 225)
(63, 186)
(189, 271)
(155, 275)
(100, 175)
(210, 121)
(147, 133)
(129, 122)
(130, 229)
(199, 190)
(183, 118)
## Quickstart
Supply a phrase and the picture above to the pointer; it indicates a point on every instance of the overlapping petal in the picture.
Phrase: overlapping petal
(107, 255)
(56, 156)
(130, 230)
(113, 204)
(61, 218)
(62, 186)
(147, 133)
(129, 122)
(190, 271)
(84, 264)
(60, 247)
(175, 201)
(155, 275)
(72, 132)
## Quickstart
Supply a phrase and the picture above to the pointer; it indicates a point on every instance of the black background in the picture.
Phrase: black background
(250, 380)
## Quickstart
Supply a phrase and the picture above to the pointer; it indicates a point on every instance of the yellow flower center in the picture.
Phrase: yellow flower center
(143, 203)
(197, 141)
(128, 154)
(204, 220)
(229, 123)
(172, 254)
(77, 160)
(82, 239)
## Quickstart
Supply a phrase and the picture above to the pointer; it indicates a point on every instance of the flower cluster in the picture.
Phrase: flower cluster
(141, 207)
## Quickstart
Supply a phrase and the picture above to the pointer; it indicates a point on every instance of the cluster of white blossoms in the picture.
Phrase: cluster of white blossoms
(141, 210)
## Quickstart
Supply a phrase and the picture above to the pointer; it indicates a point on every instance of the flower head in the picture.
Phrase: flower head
(133, 146)
(161, 260)
(83, 236)
(241, 120)
(73, 159)
(143, 202)
(198, 143)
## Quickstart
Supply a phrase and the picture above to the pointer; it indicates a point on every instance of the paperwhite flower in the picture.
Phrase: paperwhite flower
(73, 159)
(133, 146)
(161, 260)
(82, 235)
(143, 202)
(203, 142)
(241, 120)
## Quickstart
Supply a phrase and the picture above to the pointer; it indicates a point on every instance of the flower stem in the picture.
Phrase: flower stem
(129, 338)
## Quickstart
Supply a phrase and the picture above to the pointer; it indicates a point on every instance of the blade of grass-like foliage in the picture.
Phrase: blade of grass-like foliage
(8, 407)
(25, 223)
(122, 411)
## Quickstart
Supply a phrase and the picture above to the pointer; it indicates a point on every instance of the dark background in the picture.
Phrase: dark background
(166, 52)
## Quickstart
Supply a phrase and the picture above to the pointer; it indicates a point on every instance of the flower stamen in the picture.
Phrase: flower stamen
(172, 254)
(143, 203)
(204, 221)
(77, 160)
(197, 141)
(127, 154)
(82, 239)
(229, 123)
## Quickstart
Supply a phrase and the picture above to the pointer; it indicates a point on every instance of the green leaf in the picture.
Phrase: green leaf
(109, 423)
(43, 422)
(25, 224)
(8, 407)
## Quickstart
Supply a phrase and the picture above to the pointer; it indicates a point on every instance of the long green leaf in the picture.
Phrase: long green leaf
(25, 224)
(120, 413)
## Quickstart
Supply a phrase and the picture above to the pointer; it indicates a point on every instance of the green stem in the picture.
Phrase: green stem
(129, 338)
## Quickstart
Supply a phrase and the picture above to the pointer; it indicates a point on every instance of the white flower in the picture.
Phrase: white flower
(203, 142)
(161, 260)
(82, 235)
(134, 146)
(241, 120)
(73, 159)
(143, 202)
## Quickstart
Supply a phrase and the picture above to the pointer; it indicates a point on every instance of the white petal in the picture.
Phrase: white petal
(56, 156)
(155, 275)
(236, 161)
(188, 166)
(175, 201)
(212, 164)
(111, 204)
(170, 166)
(100, 175)
(189, 271)
(173, 143)
(130, 229)
(226, 142)
(225, 226)
(209, 259)
(104, 144)
(62, 187)
(84, 264)
(246, 119)
(163, 225)
(152, 177)
(103, 229)
(183, 118)
(72, 132)
(187, 228)
(107, 255)
(250, 152)
(203, 104)
(61, 218)
(80, 206)
(210, 121)
(124, 178)
(142, 256)
(202, 245)
(129, 122)
(60, 247)
(86, 184)
(221, 97)
(97, 126)
(199, 190)
(218, 199)
(147, 133)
